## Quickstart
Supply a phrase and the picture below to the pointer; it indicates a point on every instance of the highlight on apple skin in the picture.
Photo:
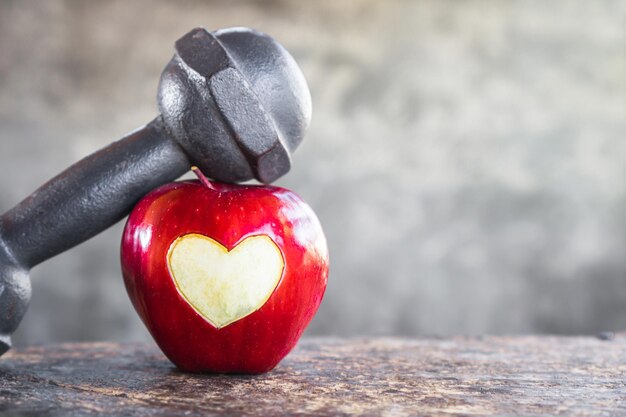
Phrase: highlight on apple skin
(225, 277)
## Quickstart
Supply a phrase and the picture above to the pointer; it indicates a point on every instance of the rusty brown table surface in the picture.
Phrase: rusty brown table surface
(529, 375)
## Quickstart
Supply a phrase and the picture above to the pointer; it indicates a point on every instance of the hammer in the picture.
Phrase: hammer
(232, 102)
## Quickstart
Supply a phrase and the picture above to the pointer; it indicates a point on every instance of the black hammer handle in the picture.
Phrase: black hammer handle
(91, 195)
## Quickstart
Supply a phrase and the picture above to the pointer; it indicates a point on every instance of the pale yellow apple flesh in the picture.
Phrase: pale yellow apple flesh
(224, 286)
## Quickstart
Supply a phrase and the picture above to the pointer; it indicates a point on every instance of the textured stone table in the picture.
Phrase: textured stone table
(395, 377)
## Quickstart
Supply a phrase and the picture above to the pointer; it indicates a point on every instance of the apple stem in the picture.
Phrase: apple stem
(204, 180)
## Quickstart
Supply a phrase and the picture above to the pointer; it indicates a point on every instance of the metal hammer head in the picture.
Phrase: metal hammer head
(236, 102)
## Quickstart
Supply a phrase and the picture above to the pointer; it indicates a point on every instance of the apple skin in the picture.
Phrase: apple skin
(227, 213)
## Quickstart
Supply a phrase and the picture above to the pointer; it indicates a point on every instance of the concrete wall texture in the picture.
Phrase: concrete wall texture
(466, 158)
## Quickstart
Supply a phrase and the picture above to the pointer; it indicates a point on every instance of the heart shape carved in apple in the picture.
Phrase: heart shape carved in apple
(225, 286)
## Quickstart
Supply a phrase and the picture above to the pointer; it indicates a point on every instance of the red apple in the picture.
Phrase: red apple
(225, 277)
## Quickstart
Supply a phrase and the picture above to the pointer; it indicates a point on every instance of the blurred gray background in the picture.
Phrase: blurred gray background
(467, 159)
